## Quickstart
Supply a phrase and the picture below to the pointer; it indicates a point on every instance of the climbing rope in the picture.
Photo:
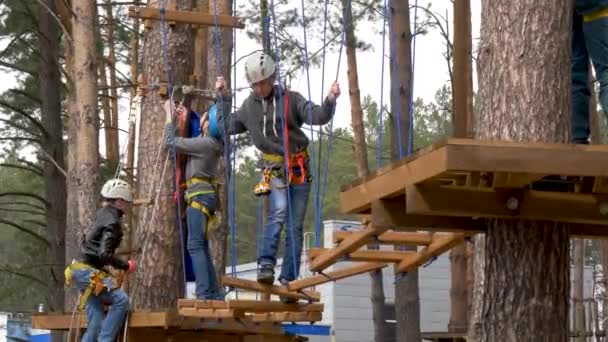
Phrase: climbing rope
(410, 143)
(381, 127)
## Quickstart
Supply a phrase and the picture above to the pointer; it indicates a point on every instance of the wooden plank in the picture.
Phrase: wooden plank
(335, 275)
(366, 255)
(349, 245)
(391, 237)
(210, 313)
(270, 289)
(270, 306)
(203, 304)
(466, 155)
(441, 243)
(137, 319)
(482, 202)
(186, 17)
(279, 317)
(392, 181)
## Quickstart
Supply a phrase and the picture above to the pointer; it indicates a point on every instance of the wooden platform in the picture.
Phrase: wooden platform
(254, 310)
(165, 325)
(451, 185)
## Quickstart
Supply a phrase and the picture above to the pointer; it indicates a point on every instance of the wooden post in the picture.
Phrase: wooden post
(577, 285)
(462, 113)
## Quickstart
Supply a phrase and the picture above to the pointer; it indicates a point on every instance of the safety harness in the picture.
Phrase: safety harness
(96, 284)
(211, 218)
(295, 161)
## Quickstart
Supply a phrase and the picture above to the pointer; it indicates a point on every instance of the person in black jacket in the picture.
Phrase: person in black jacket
(89, 272)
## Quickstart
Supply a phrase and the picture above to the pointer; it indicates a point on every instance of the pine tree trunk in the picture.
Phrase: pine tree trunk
(201, 50)
(114, 157)
(54, 180)
(462, 114)
(219, 236)
(83, 142)
(407, 300)
(524, 47)
(104, 98)
(134, 70)
(264, 16)
(360, 151)
(160, 281)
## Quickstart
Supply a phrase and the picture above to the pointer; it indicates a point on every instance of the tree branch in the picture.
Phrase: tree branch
(22, 167)
(23, 203)
(26, 231)
(17, 126)
(26, 194)
(39, 223)
(24, 211)
(32, 119)
(26, 94)
(11, 270)
(33, 140)
(18, 68)
(46, 156)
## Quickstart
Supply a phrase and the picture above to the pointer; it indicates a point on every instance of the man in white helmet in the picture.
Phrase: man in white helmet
(89, 273)
(273, 116)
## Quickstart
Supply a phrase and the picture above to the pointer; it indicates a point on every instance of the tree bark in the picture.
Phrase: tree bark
(219, 236)
(54, 180)
(104, 100)
(360, 151)
(525, 46)
(201, 48)
(162, 283)
(114, 157)
(84, 118)
(462, 114)
(407, 300)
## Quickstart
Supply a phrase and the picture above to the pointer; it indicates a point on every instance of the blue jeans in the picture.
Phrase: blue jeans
(98, 328)
(589, 41)
(198, 247)
(278, 215)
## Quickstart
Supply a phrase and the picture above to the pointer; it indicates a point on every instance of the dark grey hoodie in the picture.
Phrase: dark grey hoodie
(204, 153)
(263, 118)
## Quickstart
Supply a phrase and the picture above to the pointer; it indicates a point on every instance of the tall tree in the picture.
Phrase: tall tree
(52, 145)
(407, 300)
(462, 110)
(360, 151)
(110, 62)
(159, 240)
(527, 262)
(82, 183)
(219, 64)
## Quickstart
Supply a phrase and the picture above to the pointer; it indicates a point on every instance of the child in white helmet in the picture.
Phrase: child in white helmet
(89, 272)
(274, 116)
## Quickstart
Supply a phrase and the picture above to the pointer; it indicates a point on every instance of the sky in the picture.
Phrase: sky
(430, 68)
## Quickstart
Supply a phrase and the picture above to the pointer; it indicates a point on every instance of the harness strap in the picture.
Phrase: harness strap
(211, 217)
(595, 15)
(96, 284)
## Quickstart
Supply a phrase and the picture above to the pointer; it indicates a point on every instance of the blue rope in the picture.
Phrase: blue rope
(164, 42)
(285, 152)
(410, 143)
(333, 111)
(312, 135)
(381, 128)
(260, 231)
(227, 149)
(395, 76)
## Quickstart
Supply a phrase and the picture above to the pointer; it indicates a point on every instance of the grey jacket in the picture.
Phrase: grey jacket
(263, 119)
(204, 153)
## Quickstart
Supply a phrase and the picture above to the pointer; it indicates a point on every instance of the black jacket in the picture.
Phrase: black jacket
(102, 239)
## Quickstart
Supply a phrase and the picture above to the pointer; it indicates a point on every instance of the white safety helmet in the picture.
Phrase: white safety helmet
(117, 188)
(258, 67)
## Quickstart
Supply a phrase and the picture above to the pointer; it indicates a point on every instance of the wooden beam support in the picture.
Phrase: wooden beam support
(279, 317)
(466, 155)
(335, 275)
(270, 289)
(270, 306)
(533, 205)
(186, 17)
(441, 244)
(349, 245)
(137, 319)
(211, 313)
(391, 237)
(365, 255)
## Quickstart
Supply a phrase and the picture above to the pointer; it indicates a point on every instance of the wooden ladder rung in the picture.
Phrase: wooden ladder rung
(186, 17)
(270, 289)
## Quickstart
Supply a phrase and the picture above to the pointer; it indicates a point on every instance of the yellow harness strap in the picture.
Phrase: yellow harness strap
(599, 14)
(277, 158)
(96, 284)
(205, 211)
(196, 180)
